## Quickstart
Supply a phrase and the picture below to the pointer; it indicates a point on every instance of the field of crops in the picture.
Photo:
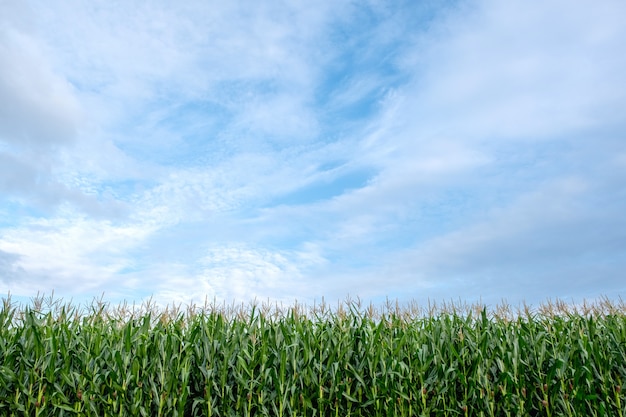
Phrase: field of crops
(263, 360)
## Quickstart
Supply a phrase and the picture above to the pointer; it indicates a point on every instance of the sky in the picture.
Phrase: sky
(283, 150)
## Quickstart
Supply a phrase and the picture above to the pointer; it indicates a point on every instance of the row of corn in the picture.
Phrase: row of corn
(347, 363)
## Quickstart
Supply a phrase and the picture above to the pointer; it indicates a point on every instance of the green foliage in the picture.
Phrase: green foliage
(58, 360)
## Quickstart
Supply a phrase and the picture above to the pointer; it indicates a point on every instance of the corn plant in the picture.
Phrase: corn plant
(258, 360)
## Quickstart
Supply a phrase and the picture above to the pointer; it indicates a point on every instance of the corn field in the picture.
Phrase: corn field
(259, 360)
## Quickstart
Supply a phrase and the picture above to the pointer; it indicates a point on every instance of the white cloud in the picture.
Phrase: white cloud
(9, 270)
(184, 49)
(506, 70)
(28, 180)
(31, 91)
(71, 255)
(512, 250)
(238, 272)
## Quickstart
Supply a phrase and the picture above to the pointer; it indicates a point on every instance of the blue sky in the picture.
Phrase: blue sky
(285, 150)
